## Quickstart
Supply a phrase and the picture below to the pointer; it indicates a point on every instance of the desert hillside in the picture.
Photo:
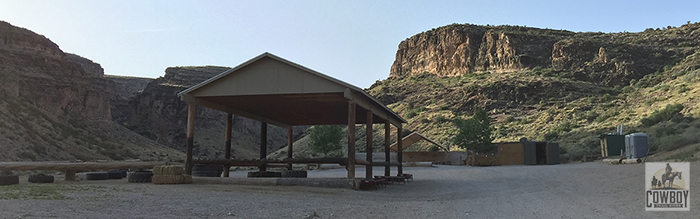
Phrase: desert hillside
(55, 106)
(550, 84)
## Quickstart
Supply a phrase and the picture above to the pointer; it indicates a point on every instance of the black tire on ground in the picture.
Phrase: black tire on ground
(272, 174)
(140, 177)
(41, 178)
(9, 180)
(97, 176)
(207, 170)
(264, 174)
(294, 173)
(114, 174)
(253, 174)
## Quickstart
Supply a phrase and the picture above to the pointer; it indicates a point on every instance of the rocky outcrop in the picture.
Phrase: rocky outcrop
(56, 106)
(605, 59)
(158, 114)
(34, 69)
(125, 89)
(462, 49)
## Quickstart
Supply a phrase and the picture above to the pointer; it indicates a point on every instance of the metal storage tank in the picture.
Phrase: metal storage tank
(637, 145)
(611, 144)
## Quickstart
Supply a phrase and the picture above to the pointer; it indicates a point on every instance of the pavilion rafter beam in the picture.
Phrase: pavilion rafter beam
(364, 103)
(190, 99)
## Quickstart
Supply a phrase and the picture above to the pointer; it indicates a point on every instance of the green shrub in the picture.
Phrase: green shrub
(551, 135)
(509, 119)
(670, 111)
(591, 116)
(585, 146)
(685, 44)
(325, 138)
(441, 119)
(411, 114)
(545, 72)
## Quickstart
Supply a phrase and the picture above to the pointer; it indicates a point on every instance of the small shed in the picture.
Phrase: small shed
(510, 153)
(519, 153)
(540, 152)
(611, 144)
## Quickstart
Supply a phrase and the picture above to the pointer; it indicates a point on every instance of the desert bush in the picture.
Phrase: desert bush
(606, 115)
(551, 135)
(590, 115)
(411, 114)
(585, 146)
(670, 111)
(441, 119)
(628, 89)
(545, 72)
(325, 139)
(509, 119)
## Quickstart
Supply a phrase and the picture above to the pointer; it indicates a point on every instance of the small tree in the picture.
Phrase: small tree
(475, 133)
(325, 138)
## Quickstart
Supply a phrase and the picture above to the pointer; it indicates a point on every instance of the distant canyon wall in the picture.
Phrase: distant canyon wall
(34, 69)
(603, 58)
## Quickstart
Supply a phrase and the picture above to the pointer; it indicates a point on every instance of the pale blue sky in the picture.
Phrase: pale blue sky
(354, 41)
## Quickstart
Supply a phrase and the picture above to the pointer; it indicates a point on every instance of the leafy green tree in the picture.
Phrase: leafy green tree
(325, 138)
(475, 133)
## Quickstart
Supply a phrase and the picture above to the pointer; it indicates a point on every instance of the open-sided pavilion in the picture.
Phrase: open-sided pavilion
(275, 91)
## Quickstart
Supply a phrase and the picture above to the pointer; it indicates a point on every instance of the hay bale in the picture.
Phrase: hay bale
(168, 170)
(187, 178)
(171, 179)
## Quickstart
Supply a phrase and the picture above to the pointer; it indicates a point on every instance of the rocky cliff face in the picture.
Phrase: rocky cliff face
(606, 59)
(125, 89)
(55, 106)
(462, 49)
(158, 114)
(36, 70)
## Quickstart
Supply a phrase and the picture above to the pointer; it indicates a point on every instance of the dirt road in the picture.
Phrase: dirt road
(587, 190)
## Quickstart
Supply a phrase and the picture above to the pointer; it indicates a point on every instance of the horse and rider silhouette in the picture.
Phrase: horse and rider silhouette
(669, 176)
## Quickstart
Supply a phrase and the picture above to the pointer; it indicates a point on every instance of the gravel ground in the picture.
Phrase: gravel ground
(585, 190)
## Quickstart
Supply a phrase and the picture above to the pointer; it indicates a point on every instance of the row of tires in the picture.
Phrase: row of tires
(208, 170)
(14, 179)
(285, 174)
(199, 170)
(132, 177)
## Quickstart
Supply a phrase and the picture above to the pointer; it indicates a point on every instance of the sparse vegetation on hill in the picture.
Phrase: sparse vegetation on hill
(571, 103)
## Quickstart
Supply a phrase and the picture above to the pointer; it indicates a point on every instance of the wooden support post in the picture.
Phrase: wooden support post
(399, 143)
(70, 175)
(387, 144)
(190, 138)
(263, 144)
(368, 168)
(227, 152)
(351, 139)
(290, 145)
